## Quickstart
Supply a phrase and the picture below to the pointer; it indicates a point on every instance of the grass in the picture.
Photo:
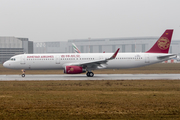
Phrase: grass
(132, 100)
(151, 69)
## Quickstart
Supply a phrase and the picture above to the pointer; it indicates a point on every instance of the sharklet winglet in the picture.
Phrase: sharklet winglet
(114, 55)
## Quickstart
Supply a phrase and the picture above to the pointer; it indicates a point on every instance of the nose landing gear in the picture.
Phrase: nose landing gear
(23, 73)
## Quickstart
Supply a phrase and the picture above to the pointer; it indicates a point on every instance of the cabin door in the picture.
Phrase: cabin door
(147, 58)
(57, 59)
(23, 59)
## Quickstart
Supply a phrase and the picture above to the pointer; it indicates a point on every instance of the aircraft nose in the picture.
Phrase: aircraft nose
(5, 64)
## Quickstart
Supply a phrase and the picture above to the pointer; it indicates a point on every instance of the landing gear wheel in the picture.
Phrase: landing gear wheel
(90, 74)
(87, 74)
(23, 75)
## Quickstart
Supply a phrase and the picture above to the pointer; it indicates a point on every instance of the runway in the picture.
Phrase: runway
(96, 77)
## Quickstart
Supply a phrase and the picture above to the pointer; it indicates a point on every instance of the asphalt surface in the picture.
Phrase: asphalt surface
(96, 77)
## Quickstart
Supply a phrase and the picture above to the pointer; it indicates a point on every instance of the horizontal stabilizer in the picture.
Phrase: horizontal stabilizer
(167, 57)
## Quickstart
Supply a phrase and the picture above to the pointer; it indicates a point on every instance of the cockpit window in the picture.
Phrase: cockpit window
(12, 59)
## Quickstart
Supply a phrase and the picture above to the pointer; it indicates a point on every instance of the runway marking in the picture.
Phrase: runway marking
(96, 77)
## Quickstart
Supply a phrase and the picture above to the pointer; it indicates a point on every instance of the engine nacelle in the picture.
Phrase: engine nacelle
(74, 70)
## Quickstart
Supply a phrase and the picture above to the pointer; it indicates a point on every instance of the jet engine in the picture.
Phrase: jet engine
(74, 70)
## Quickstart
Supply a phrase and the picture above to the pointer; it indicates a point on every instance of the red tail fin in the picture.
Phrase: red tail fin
(163, 43)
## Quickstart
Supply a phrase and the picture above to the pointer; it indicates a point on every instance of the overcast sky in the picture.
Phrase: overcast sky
(61, 20)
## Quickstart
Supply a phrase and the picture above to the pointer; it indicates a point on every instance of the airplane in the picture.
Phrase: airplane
(76, 50)
(76, 63)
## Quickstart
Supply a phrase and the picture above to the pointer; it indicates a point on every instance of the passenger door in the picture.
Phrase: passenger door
(23, 59)
(57, 59)
(147, 58)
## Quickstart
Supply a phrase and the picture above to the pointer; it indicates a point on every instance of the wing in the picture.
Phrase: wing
(96, 63)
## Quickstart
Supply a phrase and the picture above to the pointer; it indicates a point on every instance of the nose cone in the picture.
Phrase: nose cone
(5, 64)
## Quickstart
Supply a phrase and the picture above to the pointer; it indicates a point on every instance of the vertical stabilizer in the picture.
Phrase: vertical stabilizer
(163, 43)
(75, 48)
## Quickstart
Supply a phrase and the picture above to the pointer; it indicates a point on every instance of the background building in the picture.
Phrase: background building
(140, 44)
(10, 46)
(112, 44)
(50, 47)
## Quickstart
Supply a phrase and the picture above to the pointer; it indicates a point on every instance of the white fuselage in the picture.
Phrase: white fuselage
(59, 61)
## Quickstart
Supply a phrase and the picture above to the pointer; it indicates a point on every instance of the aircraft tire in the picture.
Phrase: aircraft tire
(23, 75)
(91, 74)
(88, 74)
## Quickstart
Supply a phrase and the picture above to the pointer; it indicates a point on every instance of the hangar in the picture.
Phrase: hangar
(10, 46)
(136, 44)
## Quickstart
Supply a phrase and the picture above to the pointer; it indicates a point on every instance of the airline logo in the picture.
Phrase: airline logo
(163, 43)
(71, 69)
(37, 56)
(75, 48)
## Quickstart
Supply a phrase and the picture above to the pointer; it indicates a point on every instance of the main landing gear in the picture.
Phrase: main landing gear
(23, 73)
(90, 74)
